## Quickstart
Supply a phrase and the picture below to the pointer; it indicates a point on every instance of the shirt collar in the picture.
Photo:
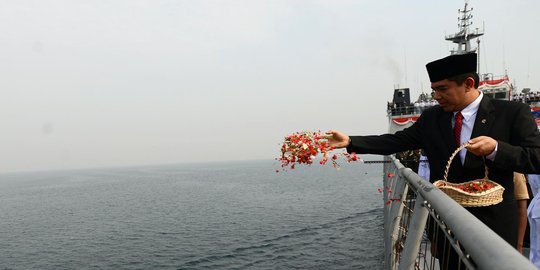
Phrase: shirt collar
(472, 108)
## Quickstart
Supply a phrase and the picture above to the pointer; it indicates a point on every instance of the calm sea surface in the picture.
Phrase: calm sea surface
(198, 216)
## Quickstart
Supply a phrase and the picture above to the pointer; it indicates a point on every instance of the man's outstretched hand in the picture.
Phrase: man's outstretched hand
(338, 139)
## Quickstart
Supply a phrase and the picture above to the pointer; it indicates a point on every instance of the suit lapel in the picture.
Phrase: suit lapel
(484, 118)
(445, 126)
(482, 124)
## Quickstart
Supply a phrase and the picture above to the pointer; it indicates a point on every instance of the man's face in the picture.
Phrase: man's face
(451, 97)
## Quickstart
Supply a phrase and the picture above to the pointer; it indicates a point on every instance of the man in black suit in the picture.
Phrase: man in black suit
(501, 134)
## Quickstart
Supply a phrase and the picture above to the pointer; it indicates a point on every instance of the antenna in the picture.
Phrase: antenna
(485, 57)
(478, 56)
(405, 64)
(504, 58)
(528, 66)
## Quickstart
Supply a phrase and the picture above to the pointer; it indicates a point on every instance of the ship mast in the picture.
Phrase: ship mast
(464, 36)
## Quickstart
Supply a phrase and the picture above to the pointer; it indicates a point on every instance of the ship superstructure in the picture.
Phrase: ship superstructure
(402, 113)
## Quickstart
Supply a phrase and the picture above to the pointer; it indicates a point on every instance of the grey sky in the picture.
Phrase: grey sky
(116, 83)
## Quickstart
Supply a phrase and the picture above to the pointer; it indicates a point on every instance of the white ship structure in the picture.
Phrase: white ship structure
(403, 113)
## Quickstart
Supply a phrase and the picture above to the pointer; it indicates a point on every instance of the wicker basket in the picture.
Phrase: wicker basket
(489, 197)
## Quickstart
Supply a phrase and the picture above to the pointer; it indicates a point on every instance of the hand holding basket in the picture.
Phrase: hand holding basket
(486, 192)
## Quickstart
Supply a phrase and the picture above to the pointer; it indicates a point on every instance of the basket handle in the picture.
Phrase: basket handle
(452, 158)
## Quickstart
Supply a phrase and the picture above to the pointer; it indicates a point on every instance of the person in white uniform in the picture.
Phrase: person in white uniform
(423, 167)
(533, 213)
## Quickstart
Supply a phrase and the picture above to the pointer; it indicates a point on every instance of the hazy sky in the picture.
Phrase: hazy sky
(132, 82)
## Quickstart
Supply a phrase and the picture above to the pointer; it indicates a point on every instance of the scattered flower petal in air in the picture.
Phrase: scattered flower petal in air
(303, 147)
(388, 191)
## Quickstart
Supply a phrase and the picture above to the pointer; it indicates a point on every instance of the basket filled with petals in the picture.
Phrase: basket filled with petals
(475, 193)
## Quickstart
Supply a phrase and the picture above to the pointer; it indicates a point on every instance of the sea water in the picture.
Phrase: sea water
(235, 215)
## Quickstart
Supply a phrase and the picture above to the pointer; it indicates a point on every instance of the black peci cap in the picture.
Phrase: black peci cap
(451, 66)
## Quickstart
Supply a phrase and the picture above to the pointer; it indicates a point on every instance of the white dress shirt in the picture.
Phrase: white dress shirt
(469, 115)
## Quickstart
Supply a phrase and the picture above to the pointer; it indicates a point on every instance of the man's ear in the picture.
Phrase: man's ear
(469, 83)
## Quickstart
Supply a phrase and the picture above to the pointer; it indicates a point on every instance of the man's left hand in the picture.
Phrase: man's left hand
(482, 146)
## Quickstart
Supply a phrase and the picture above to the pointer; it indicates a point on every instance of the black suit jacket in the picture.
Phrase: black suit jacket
(510, 123)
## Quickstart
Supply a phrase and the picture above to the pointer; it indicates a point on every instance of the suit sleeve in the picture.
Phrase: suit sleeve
(522, 152)
(386, 144)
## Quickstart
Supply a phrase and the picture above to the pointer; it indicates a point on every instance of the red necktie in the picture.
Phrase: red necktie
(457, 128)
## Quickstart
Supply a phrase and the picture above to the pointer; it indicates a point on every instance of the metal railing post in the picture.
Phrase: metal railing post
(414, 235)
(394, 187)
(396, 211)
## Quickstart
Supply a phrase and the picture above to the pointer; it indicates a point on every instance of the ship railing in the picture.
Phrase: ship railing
(406, 110)
(533, 100)
(416, 213)
(401, 110)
